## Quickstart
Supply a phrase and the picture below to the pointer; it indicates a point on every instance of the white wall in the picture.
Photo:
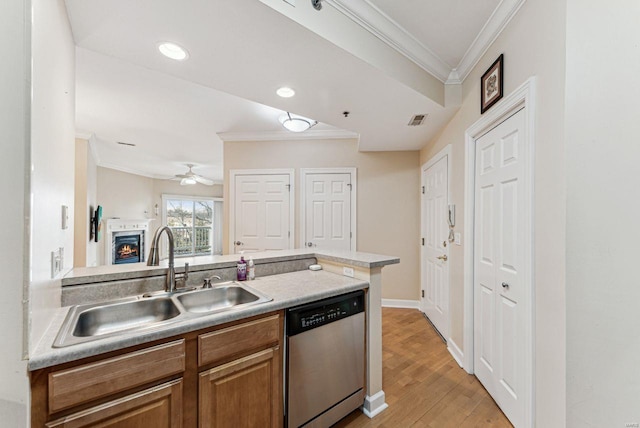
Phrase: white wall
(603, 182)
(388, 197)
(533, 45)
(14, 122)
(132, 196)
(52, 148)
(86, 186)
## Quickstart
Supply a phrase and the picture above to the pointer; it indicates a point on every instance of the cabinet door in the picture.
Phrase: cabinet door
(157, 407)
(243, 393)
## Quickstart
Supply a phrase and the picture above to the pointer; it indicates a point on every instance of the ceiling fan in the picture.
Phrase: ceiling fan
(190, 178)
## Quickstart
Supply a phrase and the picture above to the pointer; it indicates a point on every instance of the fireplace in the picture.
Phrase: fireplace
(128, 247)
(126, 241)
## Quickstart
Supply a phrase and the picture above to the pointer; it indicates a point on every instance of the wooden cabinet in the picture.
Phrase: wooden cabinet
(243, 393)
(157, 407)
(224, 376)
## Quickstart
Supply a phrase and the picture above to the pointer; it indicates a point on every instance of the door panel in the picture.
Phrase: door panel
(328, 210)
(436, 230)
(262, 207)
(498, 260)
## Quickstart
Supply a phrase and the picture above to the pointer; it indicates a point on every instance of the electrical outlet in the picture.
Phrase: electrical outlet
(56, 265)
(347, 271)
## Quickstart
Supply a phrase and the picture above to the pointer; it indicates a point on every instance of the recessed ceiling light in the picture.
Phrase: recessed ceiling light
(173, 51)
(285, 92)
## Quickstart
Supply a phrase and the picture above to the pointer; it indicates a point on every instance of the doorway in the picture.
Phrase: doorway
(434, 265)
(260, 210)
(328, 208)
(498, 289)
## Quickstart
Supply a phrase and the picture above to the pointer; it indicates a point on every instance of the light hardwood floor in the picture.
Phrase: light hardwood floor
(424, 386)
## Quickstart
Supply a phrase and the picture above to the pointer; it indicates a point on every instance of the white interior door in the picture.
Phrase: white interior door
(262, 219)
(435, 267)
(327, 211)
(499, 265)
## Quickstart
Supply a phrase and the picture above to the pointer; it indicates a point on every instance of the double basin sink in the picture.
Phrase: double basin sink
(95, 321)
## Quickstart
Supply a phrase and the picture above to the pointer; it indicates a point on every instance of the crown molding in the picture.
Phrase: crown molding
(393, 34)
(496, 23)
(386, 29)
(288, 136)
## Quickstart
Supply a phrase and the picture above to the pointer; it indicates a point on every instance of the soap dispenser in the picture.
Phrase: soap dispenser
(242, 269)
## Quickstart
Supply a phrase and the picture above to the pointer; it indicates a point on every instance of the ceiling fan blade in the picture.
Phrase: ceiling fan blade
(203, 180)
(179, 177)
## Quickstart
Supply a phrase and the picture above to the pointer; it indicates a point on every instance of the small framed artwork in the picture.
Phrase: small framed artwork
(491, 85)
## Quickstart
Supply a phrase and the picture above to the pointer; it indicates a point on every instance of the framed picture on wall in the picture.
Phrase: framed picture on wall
(491, 85)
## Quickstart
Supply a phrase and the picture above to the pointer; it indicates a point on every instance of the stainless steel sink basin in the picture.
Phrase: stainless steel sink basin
(221, 297)
(88, 322)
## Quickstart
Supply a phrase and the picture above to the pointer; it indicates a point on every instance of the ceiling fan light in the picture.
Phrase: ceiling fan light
(295, 123)
(187, 181)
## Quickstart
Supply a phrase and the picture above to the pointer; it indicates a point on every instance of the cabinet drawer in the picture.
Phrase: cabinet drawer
(88, 382)
(223, 343)
(161, 406)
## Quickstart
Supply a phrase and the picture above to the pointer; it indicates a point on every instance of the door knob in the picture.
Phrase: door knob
(238, 243)
(505, 285)
(309, 244)
(443, 257)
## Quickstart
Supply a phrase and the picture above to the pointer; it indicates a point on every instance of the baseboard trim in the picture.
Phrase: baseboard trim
(396, 303)
(455, 352)
(374, 405)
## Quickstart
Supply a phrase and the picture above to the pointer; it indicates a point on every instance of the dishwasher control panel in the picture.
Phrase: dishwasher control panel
(316, 314)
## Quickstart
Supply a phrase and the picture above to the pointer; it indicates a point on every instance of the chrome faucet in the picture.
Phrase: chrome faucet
(154, 260)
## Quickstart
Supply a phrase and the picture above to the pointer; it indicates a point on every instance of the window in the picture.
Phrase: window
(196, 223)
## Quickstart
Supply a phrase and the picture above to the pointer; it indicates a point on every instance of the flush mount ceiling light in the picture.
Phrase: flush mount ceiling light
(295, 123)
(173, 51)
(285, 92)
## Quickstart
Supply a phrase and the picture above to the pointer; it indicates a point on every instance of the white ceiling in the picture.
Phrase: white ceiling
(241, 51)
(446, 27)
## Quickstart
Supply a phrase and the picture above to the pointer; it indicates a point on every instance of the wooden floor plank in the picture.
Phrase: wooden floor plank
(424, 386)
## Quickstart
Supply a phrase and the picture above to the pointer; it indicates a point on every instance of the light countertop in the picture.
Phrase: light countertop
(140, 270)
(287, 290)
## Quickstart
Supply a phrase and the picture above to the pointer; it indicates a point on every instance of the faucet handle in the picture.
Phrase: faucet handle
(207, 281)
(186, 271)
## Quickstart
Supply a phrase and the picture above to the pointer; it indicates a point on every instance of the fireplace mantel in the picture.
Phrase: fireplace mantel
(114, 225)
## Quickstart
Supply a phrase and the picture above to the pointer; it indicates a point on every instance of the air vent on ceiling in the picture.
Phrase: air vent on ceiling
(417, 120)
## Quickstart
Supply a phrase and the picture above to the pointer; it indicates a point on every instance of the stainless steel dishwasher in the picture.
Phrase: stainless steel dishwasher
(325, 360)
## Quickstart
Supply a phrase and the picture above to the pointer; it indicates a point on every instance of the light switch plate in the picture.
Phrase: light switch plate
(65, 217)
(457, 238)
(347, 271)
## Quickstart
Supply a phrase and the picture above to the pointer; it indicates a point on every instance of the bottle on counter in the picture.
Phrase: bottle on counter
(251, 269)
(242, 269)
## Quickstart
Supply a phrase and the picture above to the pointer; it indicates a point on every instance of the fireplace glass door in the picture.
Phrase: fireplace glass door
(128, 248)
